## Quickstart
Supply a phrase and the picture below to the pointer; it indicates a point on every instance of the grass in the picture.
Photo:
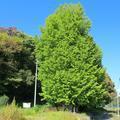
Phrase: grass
(11, 112)
(55, 116)
(58, 115)
(49, 113)
(45, 112)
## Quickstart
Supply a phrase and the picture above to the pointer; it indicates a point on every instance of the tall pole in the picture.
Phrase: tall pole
(35, 90)
(118, 103)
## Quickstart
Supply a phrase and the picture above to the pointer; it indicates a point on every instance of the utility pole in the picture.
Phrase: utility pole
(118, 103)
(35, 90)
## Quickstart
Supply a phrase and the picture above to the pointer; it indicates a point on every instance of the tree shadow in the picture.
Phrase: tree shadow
(101, 116)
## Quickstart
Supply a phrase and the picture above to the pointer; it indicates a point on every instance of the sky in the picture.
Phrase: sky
(29, 15)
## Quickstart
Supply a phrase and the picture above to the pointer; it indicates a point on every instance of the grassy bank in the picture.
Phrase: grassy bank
(44, 112)
(48, 113)
(58, 115)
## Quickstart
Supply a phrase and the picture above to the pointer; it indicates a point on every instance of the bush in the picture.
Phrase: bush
(3, 100)
(11, 112)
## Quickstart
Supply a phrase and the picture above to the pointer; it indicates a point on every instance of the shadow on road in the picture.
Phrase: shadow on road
(101, 116)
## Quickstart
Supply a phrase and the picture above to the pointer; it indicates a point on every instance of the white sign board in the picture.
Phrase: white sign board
(26, 105)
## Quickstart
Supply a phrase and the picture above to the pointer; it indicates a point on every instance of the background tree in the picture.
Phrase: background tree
(110, 89)
(17, 65)
(70, 62)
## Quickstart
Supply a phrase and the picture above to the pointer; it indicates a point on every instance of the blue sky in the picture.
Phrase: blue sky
(29, 15)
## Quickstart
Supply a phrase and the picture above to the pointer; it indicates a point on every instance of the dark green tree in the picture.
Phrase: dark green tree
(17, 65)
(70, 62)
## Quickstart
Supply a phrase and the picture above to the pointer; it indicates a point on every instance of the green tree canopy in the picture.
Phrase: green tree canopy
(70, 62)
(111, 92)
(17, 64)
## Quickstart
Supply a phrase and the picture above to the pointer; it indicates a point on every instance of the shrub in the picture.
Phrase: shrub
(11, 112)
(3, 100)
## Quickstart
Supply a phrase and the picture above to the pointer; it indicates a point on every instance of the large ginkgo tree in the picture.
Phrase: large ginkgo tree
(70, 62)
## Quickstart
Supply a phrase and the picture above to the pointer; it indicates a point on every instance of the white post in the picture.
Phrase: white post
(35, 90)
(118, 104)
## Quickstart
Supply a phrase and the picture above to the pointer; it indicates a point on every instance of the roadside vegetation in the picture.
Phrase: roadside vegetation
(47, 112)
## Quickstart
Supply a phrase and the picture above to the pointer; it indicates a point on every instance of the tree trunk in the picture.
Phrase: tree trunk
(74, 109)
(64, 107)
